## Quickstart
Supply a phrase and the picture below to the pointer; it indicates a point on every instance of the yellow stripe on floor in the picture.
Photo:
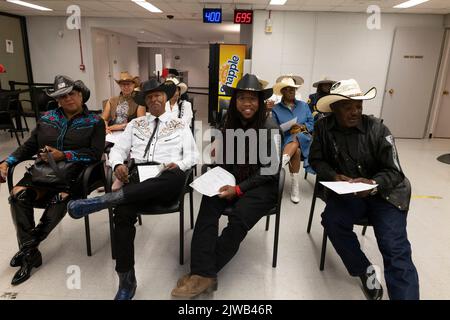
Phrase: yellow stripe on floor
(426, 197)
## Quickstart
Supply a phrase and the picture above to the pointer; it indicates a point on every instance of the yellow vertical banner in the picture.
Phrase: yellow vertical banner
(231, 66)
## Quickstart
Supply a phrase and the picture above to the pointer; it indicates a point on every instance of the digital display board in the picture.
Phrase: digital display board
(243, 16)
(212, 15)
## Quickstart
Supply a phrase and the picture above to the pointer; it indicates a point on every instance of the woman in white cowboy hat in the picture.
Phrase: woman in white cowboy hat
(353, 147)
(120, 110)
(297, 136)
(276, 98)
(177, 107)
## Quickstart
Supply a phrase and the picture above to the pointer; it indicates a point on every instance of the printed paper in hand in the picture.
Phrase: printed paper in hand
(113, 137)
(343, 187)
(149, 171)
(288, 125)
(210, 182)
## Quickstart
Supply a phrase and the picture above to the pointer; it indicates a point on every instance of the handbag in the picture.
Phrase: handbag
(59, 175)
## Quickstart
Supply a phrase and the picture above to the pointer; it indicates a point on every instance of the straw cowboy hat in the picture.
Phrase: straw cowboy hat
(125, 76)
(250, 82)
(287, 81)
(63, 85)
(344, 90)
(152, 86)
(183, 87)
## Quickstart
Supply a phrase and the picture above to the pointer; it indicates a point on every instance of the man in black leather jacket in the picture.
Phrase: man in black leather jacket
(349, 146)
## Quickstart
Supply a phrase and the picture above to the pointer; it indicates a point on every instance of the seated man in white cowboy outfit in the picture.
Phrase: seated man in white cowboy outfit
(154, 138)
(350, 146)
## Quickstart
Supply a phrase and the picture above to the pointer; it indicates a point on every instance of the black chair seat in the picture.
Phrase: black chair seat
(161, 209)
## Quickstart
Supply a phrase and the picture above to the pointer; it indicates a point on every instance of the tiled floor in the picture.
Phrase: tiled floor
(250, 274)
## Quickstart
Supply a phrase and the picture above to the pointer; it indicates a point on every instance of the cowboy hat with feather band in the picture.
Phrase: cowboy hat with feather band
(249, 82)
(126, 77)
(183, 87)
(63, 85)
(284, 82)
(344, 90)
(152, 86)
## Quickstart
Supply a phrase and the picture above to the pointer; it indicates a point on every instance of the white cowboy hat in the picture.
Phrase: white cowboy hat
(287, 81)
(298, 80)
(183, 87)
(344, 90)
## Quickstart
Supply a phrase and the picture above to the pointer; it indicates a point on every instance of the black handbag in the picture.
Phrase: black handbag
(58, 175)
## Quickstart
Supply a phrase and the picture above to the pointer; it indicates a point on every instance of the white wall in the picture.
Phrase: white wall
(52, 55)
(193, 60)
(336, 45)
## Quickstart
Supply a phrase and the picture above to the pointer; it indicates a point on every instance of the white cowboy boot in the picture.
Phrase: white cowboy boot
(295, 190)
(285, 160)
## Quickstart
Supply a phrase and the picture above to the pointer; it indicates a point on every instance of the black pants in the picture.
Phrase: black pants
(164, 188)
(210, 252)
(22, 212)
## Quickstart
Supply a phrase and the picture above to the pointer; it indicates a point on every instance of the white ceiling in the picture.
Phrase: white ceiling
(187, 26)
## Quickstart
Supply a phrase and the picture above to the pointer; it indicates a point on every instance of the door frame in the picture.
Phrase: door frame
(26, 48)
(110, 66)
(444, 69)
(432, 112)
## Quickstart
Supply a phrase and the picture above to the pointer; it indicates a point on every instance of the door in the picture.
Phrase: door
(411, 78)
(442, 129)
(102, 67)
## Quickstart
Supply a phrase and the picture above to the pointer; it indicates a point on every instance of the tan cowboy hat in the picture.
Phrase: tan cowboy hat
(183, 86)
(125, 76)
(344, 90)
(298, 80)
(287, 81)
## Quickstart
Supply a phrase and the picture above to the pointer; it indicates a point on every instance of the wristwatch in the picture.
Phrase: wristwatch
(374, 191)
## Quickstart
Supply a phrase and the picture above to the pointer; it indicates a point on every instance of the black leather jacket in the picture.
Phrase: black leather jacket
(377, 158)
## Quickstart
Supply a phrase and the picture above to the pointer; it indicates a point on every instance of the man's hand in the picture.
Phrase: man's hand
(3, 172)
(341, 177)
(121, 172)
(227, 192)
(170, 166)
(57, 155)
(362, 194)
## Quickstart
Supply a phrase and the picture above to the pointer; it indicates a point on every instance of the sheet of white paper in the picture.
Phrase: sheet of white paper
(287, 125)
(113, 137)
(210, 182)
(343, 187)
(148, 172)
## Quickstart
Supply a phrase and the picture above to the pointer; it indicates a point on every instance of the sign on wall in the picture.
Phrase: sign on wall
(9, 46)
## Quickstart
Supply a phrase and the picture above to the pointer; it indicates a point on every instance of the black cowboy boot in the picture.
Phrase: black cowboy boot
(32, 259)
(127, 285)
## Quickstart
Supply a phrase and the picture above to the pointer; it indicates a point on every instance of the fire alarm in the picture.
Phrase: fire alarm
(82, 67)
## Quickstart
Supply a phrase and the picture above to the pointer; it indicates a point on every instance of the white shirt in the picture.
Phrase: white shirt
(173, 142)
(186, 112)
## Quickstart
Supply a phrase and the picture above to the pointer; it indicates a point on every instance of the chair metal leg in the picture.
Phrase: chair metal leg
(306, 175)
(324, 249)
(88, 235)
(111, 233)
(17, 137)
(191, 206)
(275, 243)
(181, 236)
(311, 211)
(267, 222)
(140, 219)
(364, 230)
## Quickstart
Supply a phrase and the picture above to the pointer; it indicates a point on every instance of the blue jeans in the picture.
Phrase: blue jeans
(389, 224)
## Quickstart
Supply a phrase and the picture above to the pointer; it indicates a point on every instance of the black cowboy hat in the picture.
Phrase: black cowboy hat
(64, 85)
(154, 85)
(250, 82)
(318, 83)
